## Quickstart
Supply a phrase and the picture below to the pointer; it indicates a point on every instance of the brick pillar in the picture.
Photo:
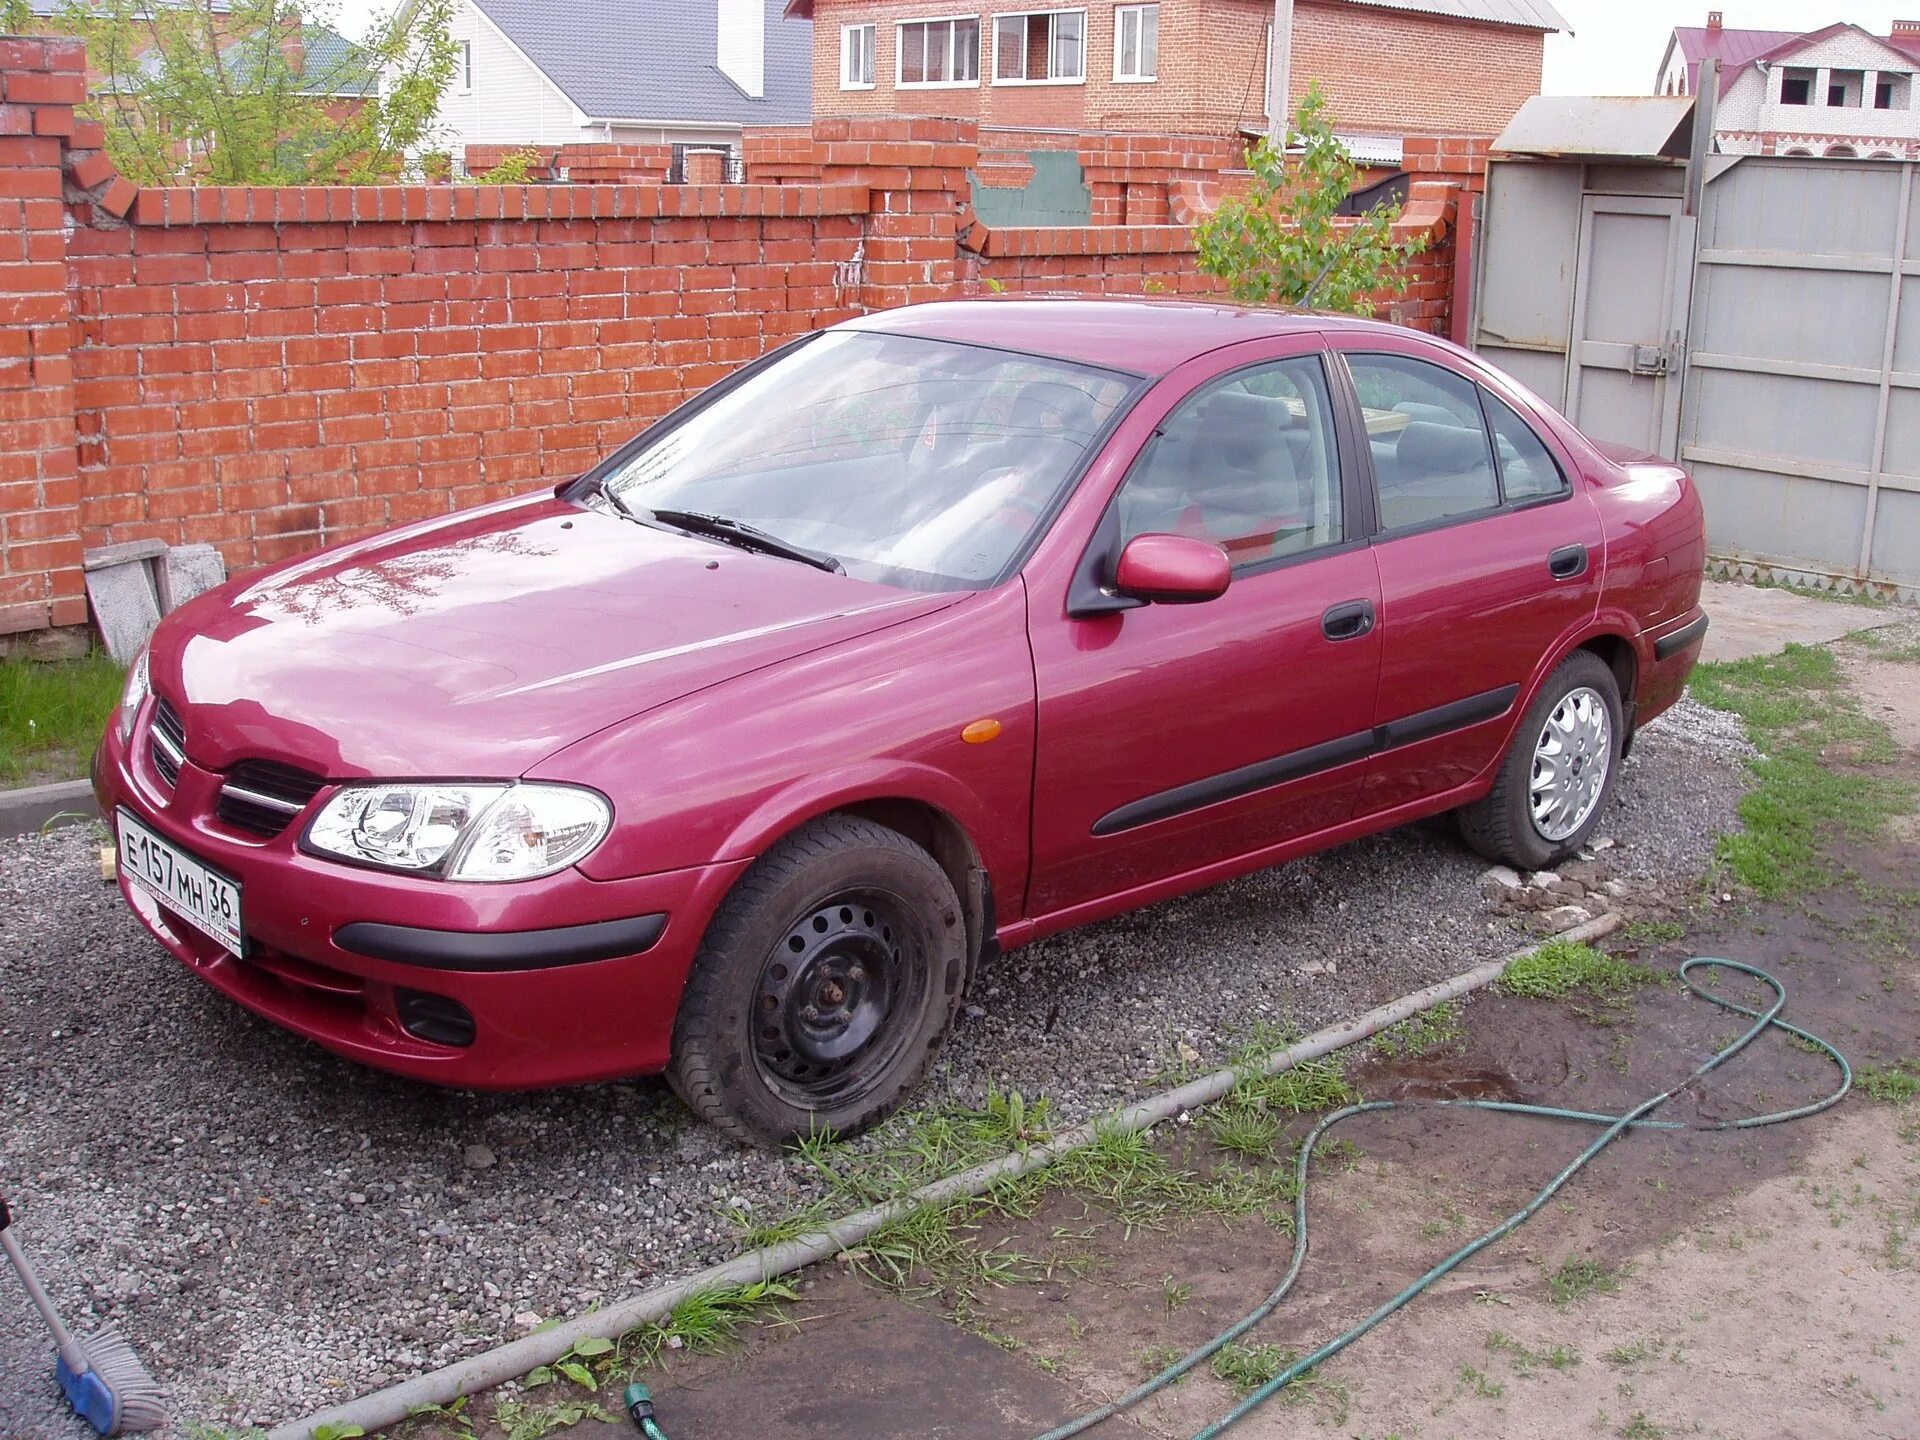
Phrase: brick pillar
(41, 80)
(706, 167)
(916, 171)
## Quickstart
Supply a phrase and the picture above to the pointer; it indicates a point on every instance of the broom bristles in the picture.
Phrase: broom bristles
(140, 1403)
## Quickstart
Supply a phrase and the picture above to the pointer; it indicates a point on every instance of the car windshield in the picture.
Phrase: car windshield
(913, 462)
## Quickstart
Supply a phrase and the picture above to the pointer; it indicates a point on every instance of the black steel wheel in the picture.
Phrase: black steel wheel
(825, 985)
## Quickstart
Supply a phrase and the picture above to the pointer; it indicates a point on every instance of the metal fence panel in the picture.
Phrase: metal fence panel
(1801, 410)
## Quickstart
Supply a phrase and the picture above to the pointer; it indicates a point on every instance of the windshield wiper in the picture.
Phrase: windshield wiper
(732, 532)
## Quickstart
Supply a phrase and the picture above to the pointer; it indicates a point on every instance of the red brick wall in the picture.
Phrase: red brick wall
(40, 81)
(274, 369)
(1390, 72)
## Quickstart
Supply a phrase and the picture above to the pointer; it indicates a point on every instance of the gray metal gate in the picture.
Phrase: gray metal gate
(1801, 412)
(1775, 349)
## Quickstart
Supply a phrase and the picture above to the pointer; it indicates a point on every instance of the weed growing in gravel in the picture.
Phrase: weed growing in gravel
(1576, 1279)
(1895, 1083)
(1440, 1028)
(1800, 715)
(1641, 1428)
(1559, 968)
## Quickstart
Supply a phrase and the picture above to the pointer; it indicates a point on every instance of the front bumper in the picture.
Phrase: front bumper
(566, 979)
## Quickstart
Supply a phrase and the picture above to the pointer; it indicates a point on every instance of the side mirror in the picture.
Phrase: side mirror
(1172, 570)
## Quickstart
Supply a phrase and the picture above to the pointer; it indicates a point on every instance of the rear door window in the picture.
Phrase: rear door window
(1528, 470)
(1432, 456)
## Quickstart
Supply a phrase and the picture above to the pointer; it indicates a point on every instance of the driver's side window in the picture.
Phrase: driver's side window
(1249, 461)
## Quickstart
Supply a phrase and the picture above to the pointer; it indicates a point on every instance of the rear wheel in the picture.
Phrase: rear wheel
(824, 986)
(1554, 782)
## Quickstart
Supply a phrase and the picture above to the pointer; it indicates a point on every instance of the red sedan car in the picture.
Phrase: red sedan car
(927, 635)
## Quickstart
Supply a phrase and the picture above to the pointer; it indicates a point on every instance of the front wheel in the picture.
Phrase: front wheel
(824, 985)
(1556, 777)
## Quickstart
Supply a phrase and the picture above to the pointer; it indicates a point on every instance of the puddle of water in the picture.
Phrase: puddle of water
(1441, 1078)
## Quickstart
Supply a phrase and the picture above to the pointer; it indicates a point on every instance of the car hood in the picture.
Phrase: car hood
(477, 644)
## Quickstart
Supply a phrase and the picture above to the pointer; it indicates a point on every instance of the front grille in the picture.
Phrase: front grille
(262, 796)
(167, 740)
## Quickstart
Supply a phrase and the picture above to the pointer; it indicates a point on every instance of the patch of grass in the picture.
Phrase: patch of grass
(1627, 1355)
(1895, 1083)
(1561, 967)
(1576, 1279)
(1247, 1367)
(1654, 932)
(1248, 1130)
(521, 1421)
(1481, 1383)
(1641, 1428)
(1526, 1359)
(1440, 1028)
(705, 1320)
(52, 714)
(1174, 1295)
(1812, 737)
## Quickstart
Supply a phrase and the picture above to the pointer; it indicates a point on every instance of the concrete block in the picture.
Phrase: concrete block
(187, 571)
(124, 606)
(105, 557)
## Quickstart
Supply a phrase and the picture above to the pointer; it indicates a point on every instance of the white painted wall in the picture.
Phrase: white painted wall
(511, 102)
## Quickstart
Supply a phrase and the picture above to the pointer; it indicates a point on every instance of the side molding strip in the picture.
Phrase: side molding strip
(1667, 646)
(1297, 764)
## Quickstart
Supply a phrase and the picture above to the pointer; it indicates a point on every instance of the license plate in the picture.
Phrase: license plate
(205, 899)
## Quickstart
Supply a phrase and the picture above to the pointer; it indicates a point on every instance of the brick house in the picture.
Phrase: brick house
(1391, 68)
(1838, 90)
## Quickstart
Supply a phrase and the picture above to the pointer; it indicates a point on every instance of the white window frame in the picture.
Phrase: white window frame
(1048, 16)
(847, 32)
(1138, 12)
(464, 68)
(900, 52)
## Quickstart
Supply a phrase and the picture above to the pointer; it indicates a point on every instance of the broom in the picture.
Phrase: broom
(101, 1377)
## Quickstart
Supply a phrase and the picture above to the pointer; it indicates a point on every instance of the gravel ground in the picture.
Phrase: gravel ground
(277, 1229)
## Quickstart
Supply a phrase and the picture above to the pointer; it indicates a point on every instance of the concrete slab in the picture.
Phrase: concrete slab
(864, 1364)
(124, 606)
(1763, 620)
(186, 571)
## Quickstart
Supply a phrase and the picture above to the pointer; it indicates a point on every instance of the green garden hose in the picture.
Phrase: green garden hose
(1616, 1125)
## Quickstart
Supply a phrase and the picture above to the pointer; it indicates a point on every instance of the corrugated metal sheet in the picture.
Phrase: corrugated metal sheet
(1526, 14)
(1371, 149)
(1621, 127)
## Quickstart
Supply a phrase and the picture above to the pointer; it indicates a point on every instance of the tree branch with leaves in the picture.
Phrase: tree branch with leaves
(260, 93)
(1284, 241)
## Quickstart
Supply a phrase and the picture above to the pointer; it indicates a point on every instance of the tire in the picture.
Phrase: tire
(1507, 825)
(823, 987)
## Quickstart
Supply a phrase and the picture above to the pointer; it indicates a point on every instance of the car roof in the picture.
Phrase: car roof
(1147, 337)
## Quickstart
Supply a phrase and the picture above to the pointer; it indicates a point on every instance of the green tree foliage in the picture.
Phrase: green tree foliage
(261, 94)
(1280, 242)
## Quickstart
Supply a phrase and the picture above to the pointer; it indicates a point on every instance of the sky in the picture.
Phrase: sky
(1615, 47)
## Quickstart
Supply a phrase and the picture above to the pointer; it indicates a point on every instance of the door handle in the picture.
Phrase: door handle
(1567, 562)
(1348, 621)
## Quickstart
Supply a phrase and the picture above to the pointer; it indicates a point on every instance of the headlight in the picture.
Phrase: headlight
(463, 831)
(135, 694)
